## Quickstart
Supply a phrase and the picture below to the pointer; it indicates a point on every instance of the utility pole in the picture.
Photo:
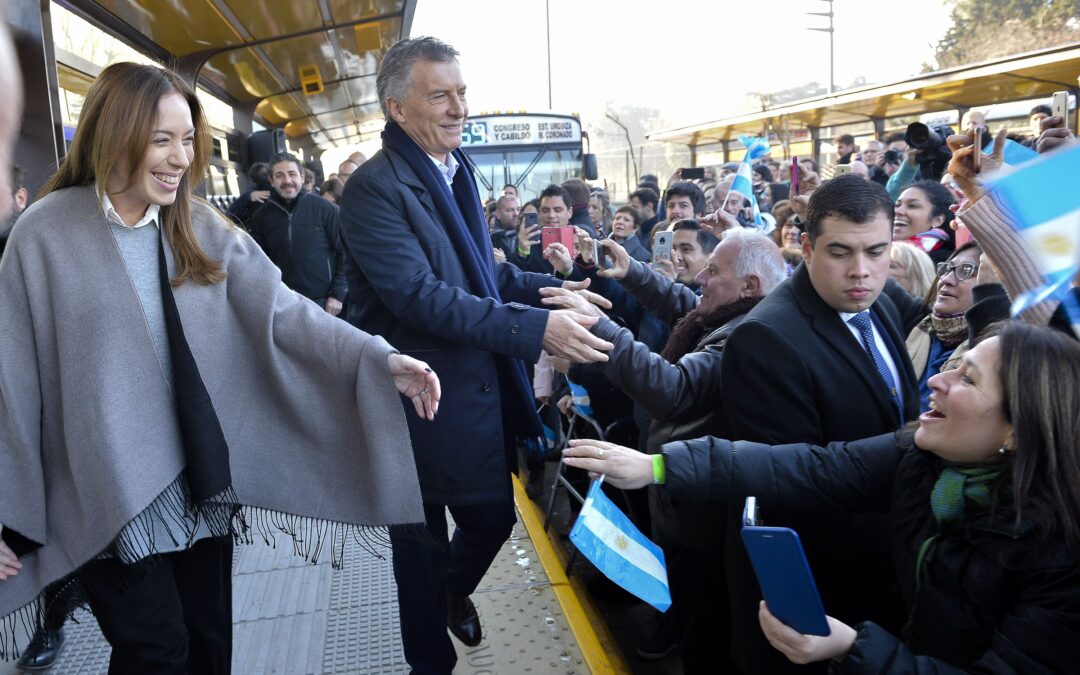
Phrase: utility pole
(831, 32)
(547, 18)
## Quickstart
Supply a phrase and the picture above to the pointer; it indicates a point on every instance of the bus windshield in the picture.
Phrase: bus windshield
(530, 169)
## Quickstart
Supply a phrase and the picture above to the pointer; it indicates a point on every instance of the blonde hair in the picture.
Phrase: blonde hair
(919, 266)
(115, 126)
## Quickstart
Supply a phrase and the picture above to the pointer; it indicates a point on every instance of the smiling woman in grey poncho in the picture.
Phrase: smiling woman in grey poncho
(161, 392)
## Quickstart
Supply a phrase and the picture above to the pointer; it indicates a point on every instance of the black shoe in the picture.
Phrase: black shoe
(463, 620)
(42, 650)
(534, 487)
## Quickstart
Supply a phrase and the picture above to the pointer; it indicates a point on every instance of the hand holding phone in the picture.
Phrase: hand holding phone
(662, 245)
(976, 146)
(529, 230)
(696, 173)
(560, 235)
(841, 170)
(1059, 107)
(783, 574)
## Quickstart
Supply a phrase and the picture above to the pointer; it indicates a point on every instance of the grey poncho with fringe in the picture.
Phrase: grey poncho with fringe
(317, 441)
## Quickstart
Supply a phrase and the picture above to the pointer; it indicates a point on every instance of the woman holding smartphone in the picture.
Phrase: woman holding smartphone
(984, 497)
(162, 393)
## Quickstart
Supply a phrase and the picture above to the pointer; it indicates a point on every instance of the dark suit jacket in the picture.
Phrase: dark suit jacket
(792, 372)
(408, 285)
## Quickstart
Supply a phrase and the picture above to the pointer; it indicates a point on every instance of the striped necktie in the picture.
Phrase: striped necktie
(861, 321)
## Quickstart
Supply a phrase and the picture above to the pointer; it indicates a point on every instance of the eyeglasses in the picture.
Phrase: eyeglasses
(963, 271)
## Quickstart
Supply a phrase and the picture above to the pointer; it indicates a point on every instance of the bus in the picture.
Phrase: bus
(528, 151)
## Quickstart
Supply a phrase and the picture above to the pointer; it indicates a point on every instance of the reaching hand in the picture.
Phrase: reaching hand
(961, 166)
(665, 267)
(562, 298)
(416, 382)
(799, 648)
(719, 222)
(620, 260)
(567, 335)
(559, 257)
(808, 180)
(527, 235)
(625, 468)
(260, 196)
(9, 562)
(584, 242)
(1054, 134)
(500, 255)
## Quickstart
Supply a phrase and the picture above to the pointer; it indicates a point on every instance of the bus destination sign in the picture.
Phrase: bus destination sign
(520, 130)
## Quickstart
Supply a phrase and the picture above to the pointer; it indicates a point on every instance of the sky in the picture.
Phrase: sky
(628, 50)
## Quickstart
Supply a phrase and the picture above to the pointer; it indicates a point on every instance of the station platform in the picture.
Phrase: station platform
(294, 618)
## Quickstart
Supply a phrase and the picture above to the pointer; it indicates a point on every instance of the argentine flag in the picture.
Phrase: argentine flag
(610, 541)
(1044, 197)
(744, 179)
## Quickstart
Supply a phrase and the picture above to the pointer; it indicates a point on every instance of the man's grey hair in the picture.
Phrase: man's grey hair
(393, 80)
(758, 256)
(499, 202)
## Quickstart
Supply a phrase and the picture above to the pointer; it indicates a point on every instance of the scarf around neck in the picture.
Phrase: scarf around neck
(956, 487)
(950, 331)
(463, 217)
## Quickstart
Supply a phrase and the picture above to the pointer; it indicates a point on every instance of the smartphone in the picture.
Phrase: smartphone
(794, 176)
(784, 574)
(697, 173)
(1059, 107)
(599, 255)
(976, 144)
(560, 235)
(841, 170)
(661, 245)
(531, 219)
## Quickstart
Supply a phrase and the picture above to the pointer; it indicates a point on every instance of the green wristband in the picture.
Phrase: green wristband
(658, 472)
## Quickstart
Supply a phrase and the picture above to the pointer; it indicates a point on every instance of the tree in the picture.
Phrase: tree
(988, 29)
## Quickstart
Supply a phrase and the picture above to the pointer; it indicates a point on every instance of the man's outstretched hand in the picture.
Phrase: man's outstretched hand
(567, 335)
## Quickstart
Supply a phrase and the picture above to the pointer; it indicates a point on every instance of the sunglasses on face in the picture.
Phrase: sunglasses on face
(963, 271)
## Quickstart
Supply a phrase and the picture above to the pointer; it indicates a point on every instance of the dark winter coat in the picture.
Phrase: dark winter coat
(408, 285)
(992, 598)
(303, 239)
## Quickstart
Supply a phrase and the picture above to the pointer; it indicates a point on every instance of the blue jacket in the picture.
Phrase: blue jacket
(407, 284)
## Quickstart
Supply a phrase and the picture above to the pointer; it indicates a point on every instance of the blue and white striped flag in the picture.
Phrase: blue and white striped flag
(610, 541)
(1044, 196)
(744, 178)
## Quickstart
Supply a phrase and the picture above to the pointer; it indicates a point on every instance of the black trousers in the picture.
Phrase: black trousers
(427, 573)
(170, 613)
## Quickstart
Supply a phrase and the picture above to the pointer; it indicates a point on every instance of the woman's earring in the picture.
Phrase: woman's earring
(1002, 450)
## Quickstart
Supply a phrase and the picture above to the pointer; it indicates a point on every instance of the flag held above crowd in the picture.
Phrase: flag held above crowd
(1044, 197)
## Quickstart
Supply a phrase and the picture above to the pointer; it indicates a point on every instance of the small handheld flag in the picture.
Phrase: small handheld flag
(1043, 195)
(610, 541)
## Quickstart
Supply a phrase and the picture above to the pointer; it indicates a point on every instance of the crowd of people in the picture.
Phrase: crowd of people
(841, 348)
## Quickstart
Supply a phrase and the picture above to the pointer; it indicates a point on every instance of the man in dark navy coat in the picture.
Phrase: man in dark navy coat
(798, 369)
(422, 275)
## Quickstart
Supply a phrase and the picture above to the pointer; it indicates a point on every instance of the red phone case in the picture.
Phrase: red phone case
(561, 235)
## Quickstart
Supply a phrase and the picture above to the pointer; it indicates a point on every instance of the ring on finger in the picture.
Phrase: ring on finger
(600, 453)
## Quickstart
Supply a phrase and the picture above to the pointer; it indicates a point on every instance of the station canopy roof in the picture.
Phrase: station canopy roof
(1019, 77)
(260, 53)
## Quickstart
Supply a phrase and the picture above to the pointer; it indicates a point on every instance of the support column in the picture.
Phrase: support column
(815, 144)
